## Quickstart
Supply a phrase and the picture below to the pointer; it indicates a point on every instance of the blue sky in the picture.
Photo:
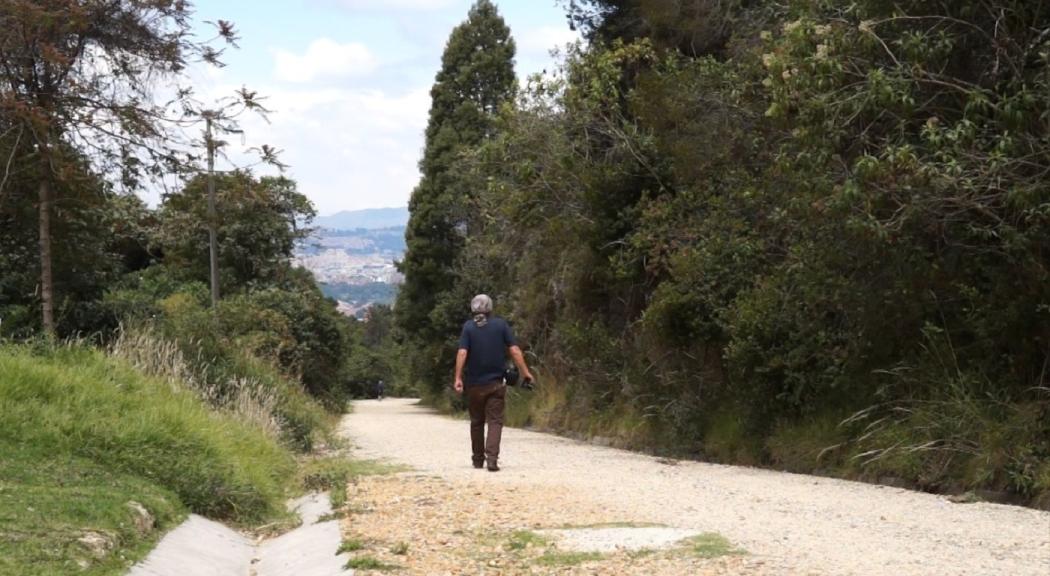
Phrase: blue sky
(348, 82)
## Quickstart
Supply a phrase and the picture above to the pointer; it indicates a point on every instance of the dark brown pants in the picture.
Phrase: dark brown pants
(486, 404)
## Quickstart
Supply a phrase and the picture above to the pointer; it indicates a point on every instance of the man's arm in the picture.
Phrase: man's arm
(461, 360)
(519, 361)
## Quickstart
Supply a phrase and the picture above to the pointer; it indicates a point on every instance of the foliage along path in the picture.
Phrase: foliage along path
(446, 517)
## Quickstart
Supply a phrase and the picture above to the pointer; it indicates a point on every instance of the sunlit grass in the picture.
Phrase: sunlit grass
(523, 539)
(369, 563)
(557, 558)
(711, 545)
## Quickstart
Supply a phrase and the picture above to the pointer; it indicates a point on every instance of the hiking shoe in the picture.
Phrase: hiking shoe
(493, 467)
(479, 465)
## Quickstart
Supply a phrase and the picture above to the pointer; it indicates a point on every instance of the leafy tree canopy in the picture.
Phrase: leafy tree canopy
(260, 222)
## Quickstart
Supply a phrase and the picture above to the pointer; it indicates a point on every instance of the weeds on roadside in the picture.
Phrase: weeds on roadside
(968, 437)
(351, 545)
(331, 516)
(523, 539)
(332, 474)
(711, 545)
(526, 539)
(557, 558)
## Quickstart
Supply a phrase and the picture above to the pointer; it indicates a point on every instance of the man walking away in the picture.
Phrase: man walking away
(483, 347)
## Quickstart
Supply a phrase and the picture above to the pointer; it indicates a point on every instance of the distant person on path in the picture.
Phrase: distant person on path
(483, 347)
(379, 390)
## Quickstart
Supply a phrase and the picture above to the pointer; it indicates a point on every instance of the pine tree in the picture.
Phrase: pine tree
(475, 80)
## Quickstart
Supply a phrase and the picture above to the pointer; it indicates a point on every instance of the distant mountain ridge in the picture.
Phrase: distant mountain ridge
(371, 219)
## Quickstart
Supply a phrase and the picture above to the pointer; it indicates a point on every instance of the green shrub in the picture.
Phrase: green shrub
(138, 295)
(814, 443)
(318, 339)
(519, 408)
(728, 439)
(76, 402)
(302, 419)
(289, 328)
(18, 321)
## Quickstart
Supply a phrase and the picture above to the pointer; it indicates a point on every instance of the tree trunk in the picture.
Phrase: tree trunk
(213, 244)
(47, 283)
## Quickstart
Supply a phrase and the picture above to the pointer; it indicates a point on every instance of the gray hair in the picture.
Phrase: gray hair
(481, 307)
(481, 304)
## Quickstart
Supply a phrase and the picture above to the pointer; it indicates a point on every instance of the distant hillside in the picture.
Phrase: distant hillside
(369, 219)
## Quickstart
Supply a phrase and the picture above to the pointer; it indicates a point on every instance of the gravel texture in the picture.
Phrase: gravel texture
(788, 523)
(427, 526)
(628, 539)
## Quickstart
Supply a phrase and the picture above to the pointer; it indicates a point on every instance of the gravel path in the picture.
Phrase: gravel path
(422, 525)
(796, 524)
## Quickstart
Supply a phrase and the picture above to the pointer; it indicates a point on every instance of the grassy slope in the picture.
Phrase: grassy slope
(81, 435)
(48, 502)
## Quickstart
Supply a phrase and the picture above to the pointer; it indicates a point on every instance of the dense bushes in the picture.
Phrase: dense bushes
(811, 235)
(262, 219)
(100, 237)
(290, 345)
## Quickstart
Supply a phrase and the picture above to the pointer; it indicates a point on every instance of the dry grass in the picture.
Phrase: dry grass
(245, 398)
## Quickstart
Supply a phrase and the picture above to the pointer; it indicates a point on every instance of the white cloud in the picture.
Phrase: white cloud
(347, 149)
(535, 46)
(324, 59)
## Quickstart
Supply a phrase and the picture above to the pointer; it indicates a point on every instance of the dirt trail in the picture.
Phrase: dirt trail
(789, 524)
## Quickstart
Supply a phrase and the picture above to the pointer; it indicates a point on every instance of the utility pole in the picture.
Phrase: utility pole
(212, 216)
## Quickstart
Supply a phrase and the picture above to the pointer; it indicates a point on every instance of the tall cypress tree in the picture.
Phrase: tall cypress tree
(476, 78)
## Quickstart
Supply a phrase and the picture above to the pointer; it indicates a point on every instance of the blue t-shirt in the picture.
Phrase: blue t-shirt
(486, 348)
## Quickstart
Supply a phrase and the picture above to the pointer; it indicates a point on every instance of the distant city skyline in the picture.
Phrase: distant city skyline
(348, 82)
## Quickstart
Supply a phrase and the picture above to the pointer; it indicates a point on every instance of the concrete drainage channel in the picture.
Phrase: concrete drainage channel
(205, 548)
